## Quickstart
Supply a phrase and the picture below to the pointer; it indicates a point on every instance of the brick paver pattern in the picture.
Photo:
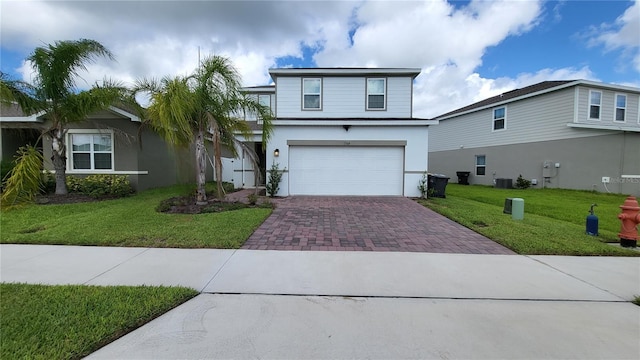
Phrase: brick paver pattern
(358, 223)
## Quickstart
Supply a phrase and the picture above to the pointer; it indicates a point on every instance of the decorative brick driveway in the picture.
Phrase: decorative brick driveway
(365, 223)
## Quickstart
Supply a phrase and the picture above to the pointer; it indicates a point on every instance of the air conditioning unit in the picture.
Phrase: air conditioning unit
(504, 183)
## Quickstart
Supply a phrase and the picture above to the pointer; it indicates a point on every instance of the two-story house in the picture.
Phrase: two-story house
(347, 131)
(572, 134)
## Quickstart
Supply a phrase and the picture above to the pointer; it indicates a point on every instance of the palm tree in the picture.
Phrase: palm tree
(204, 106)
(54, 93)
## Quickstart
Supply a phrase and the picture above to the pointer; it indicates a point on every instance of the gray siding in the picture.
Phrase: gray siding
(607, 108)
(343, 97)
(583, 162)
(164, 164)
(540, 118)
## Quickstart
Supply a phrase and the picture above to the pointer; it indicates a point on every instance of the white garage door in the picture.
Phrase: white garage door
(345, 170)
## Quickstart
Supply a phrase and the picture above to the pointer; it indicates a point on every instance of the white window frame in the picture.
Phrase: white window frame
(261, 96)
(319, 94)
(384, 94)
(91, 151)
(484, 166)
(616, 107)
(494, 119)
(599, 105)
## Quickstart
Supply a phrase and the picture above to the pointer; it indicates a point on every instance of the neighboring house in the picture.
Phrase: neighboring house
(108, 142)
(347, 131)
(559, 134)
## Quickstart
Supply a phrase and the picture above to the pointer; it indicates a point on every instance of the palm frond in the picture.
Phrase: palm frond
(24, 181)
(58, 65)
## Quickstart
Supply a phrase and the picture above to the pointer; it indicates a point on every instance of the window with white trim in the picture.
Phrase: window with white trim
(312, 94)
(481, 164)
(91, 151)
(621, 108)
(499, 118)
(376, 94)
(595, 102)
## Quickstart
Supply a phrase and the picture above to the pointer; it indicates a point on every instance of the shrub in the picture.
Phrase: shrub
(275, 176)
(48, 182)
(211, 188)
(100, 185)
(522, 183)
(423, 186)
(252, 198)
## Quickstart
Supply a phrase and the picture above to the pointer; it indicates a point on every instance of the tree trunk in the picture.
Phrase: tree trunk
(59, 161)
(217, 161)
(201, 166)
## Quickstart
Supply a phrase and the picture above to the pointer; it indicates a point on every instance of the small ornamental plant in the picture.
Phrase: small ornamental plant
(275, 176)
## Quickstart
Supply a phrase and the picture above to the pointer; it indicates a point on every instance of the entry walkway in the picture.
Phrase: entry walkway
(359, 223)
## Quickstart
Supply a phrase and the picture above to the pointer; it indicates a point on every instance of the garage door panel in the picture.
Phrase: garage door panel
(324, 170)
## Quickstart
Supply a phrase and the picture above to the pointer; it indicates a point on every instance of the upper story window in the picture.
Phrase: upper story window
(595, 102)
(265, 100)
(481, 164)
(621, 108)
(376, 94)
(92, 151)
(499, 118)
(312, 94)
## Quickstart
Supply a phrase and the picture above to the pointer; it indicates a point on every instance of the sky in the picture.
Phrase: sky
(467, 50)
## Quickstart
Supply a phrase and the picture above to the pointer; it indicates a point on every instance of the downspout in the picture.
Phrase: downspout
(243, 168)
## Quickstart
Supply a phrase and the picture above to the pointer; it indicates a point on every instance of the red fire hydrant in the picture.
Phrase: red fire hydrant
(630, 218)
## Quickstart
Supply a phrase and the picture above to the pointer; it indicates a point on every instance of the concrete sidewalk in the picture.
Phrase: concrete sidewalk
(295, 304)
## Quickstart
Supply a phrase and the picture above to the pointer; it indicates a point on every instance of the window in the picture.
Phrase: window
(595, 101)
(621, 108)
(481, 164)
(376, 90)
(499, 118)
(92, 151)
(311, 94)
(265, 100)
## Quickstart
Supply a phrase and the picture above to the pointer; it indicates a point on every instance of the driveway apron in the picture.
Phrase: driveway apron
(358, 223)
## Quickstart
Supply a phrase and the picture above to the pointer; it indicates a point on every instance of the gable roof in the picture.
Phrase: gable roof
(507, 96)
(14, 113)
(532, 90)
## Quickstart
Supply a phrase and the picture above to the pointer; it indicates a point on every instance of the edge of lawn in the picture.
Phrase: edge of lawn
(534, 235)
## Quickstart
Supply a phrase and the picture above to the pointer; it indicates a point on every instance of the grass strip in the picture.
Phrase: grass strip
(70, 322)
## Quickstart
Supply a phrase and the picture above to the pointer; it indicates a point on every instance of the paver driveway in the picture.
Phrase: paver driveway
(365, 223)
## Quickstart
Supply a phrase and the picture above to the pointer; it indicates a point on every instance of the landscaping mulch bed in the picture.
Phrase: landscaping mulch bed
(174, 205)
(71, 198)
(187, 205)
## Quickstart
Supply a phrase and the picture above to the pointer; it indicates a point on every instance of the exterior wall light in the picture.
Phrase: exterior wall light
(276, 152)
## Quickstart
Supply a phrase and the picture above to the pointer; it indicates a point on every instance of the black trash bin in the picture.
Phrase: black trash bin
(436, 185)
(463, 177)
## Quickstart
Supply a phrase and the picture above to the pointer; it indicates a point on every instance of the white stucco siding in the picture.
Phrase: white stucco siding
(415, 150)
(540, 118)
(343, 97)
(607, 109)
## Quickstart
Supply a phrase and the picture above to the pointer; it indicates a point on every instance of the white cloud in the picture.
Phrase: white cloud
(157, 38)
(441, 89)
(624, 34)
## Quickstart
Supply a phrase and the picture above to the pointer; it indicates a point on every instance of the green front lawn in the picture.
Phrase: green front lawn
(69, 322)
(554, 220)
(131, 221)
